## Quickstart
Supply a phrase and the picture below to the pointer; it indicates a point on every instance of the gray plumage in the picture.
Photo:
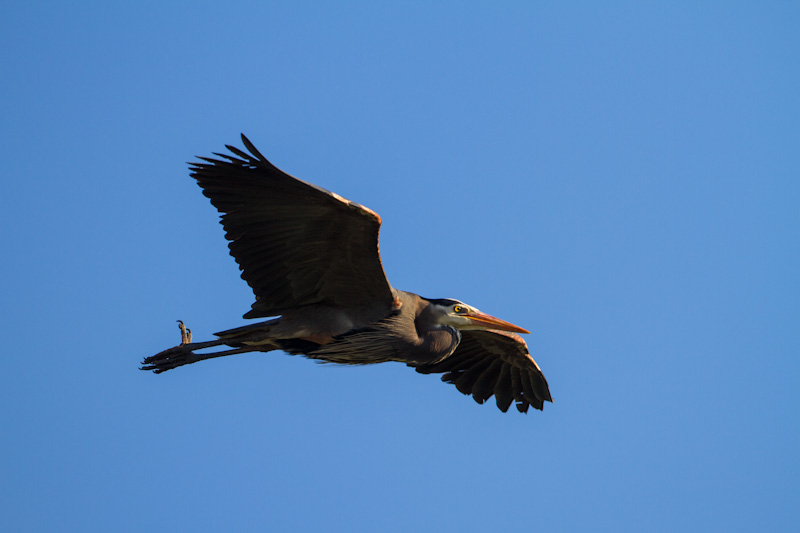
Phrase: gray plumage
(311, 258)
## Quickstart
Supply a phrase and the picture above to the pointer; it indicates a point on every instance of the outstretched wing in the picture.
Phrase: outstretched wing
(296, 244)
(495, 363)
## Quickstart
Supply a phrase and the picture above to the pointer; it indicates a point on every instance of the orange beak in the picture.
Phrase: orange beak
(489, 322)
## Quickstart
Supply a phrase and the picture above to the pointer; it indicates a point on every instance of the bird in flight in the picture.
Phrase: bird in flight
(311, 258)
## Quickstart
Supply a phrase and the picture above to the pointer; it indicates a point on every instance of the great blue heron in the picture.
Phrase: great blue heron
(311, 258)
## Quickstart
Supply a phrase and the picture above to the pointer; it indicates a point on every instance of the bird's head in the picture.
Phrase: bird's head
(459, 315)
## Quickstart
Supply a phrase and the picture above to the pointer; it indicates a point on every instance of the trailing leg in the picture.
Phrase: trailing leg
(184, 353)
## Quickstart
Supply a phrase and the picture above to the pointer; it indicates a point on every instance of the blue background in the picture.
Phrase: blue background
(623, 179)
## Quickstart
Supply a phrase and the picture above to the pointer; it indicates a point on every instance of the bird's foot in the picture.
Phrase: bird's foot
(186, 333)
(173, 357)
(168, 359)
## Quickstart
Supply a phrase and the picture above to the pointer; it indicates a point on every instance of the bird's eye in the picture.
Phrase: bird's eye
(458, 309)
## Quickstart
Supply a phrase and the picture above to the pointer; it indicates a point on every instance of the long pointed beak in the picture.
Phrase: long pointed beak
(490, 322)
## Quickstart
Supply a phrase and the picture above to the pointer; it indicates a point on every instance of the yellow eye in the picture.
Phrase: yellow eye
(458, 309)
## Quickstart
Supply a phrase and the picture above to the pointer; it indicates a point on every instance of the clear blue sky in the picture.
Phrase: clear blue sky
(623, 179)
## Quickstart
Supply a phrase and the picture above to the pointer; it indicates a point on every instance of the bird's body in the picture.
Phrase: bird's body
(312, 260)
(352, 337)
